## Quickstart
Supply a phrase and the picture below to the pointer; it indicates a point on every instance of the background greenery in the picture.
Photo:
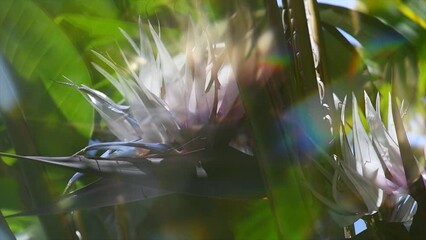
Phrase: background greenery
(41, 41)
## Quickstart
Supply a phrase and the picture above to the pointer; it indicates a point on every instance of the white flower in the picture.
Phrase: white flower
(369, 174)
(167, 98)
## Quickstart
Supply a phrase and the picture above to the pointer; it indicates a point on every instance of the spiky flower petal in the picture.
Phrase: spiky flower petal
(165, 96)
(370, 171)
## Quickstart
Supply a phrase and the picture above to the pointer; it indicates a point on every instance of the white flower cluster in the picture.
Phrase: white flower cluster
(369, 174)
(166, 97)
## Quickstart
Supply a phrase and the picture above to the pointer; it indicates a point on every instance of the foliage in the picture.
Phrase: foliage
(44, 43)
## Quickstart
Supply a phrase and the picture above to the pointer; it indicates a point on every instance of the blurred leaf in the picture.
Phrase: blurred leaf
(408, 17)
(409, 162)
(345, 66)
(422, 77)
(42, 54)
(5, 232)
(101, 8)
(389, 52)
(10, 189)
(4, 139)
(260, 224)
(151, 8)
(412, 15)
(406, 12)
(33, 180)
(129, 179)
(146, 8)
(98, 29)
(23, 227)
(104, 192)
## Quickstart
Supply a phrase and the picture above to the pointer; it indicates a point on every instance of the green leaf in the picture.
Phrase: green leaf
(99, 29)
(41, 53)
(345, 66)
(389, 53)
(101, 193)
(9, 187)
(100, 8)
(260, 224)
(5, 231)
(32, 179)
(151, 8)
(411, 169)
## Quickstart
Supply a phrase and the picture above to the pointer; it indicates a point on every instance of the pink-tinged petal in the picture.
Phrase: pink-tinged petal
(387, 148)
(424, 177)
(364, 150)
(370, 193)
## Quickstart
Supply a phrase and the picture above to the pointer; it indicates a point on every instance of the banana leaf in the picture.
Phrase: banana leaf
(387, 52)
(19, 132)
(41, 54)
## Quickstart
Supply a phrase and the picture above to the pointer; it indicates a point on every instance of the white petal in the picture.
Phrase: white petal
(386, 147)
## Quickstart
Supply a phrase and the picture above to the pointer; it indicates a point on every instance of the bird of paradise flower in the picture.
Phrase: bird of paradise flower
(174, 130)
(370, 176)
